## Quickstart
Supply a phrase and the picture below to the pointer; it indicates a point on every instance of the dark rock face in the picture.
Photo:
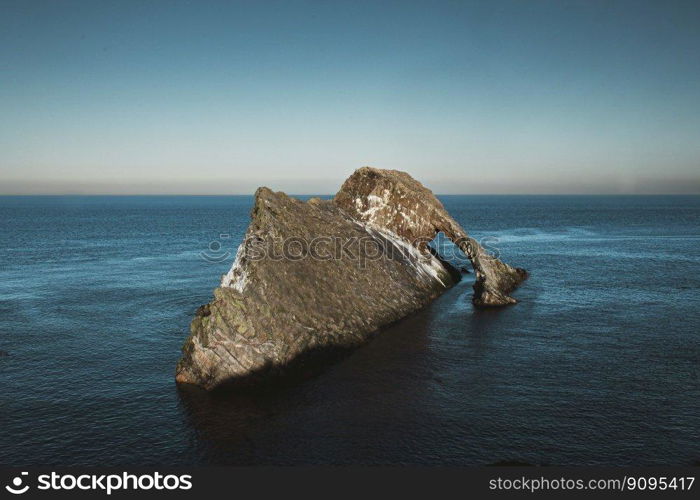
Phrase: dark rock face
(395, 202)
(326, 275)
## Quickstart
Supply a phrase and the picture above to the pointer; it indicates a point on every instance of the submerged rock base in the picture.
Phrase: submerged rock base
(324, 275)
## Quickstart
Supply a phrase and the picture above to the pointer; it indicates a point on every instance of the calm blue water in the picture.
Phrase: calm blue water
(598, 363)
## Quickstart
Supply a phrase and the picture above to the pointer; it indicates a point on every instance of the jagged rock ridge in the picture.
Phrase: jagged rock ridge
(326, 274)
(395, 202)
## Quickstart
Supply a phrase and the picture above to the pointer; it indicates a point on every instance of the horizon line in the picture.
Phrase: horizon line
(7, 195)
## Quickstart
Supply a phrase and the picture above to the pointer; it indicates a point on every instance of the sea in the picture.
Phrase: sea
(596, 364)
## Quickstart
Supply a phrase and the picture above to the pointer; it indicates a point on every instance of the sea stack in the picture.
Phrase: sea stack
(322, 275)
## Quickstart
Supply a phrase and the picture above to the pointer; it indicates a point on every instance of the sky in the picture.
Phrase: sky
(203, 97)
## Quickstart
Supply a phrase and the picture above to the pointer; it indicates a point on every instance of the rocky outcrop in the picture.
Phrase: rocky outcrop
(322, 275)
(395, 202)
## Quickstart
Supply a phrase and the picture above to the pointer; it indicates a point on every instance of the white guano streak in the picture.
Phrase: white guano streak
(427, 269)
(236, 278)
(430, 267)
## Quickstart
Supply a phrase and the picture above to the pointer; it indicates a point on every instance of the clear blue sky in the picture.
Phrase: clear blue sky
(469, 97)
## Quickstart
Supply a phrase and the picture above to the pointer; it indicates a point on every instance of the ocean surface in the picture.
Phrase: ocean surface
(597, 364)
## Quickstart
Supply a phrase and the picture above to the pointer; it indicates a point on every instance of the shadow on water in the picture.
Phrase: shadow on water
(239, 422)
(353, 406)
(226, 419)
